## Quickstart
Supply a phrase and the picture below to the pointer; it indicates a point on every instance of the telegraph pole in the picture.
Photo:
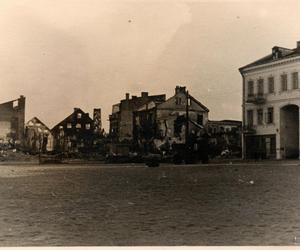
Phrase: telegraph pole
(187, 118)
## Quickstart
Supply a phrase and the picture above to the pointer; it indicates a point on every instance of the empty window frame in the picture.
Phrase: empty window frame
(15, 103)
(200, 119)
(178, 101)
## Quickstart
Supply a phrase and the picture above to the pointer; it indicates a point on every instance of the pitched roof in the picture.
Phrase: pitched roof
(199, 103)
(139, 101)
(70, 116)
(283, 53)
(37, 120)
(151, 103)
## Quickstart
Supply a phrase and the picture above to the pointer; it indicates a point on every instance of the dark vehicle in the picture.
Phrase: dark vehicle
(152, 160)
(123, 158)
(197, 149)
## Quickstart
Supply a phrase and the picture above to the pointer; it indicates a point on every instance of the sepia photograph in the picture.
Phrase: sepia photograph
(149, 123)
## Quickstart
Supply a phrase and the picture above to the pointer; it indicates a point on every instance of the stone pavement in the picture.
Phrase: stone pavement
(125, 205)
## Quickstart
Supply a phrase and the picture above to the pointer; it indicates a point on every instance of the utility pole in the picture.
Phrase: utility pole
(187, 118)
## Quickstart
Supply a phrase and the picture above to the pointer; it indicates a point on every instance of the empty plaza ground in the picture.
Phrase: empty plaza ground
(104, 205)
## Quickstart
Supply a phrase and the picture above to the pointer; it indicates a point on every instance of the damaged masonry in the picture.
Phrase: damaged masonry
(12, 118)
(175, 129)
(156, 125)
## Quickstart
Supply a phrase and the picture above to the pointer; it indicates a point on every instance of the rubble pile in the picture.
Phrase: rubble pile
(16, 155)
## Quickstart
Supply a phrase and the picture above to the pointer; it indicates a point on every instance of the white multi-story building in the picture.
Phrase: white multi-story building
(271, 101)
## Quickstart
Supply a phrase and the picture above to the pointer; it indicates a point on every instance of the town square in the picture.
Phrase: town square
(149, 123)
(132, 205)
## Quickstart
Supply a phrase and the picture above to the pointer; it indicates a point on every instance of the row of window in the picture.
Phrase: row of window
(78, 125)
(271, 84)
(269, 116)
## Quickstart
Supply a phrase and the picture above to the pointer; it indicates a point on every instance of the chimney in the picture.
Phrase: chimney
(127, 96)
(180, 89)
(144, 94)
(21, 101)
(298, 46)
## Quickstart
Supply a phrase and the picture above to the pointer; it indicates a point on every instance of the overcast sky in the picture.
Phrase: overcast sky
(63, 54)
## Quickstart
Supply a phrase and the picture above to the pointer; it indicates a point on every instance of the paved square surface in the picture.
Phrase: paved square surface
(63, 205)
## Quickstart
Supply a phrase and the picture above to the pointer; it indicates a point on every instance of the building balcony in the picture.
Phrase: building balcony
(249, 129)
(256, 99)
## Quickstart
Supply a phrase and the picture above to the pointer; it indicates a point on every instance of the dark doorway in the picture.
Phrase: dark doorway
(289, 131)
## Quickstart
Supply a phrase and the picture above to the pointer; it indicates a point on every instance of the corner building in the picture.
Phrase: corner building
(271, 101)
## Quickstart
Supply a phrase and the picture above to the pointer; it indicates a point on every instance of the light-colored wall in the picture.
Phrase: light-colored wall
(169, 111)
(277, 100)
(276, 72)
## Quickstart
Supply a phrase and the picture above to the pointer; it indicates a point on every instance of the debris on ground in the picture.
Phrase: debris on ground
(15, 155)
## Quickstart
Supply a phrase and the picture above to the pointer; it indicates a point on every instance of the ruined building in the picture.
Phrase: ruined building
(121, 119)
(75, 133)
(167, 120)
(97, 122)
(12, 119)
(271, 101)
(38, 137)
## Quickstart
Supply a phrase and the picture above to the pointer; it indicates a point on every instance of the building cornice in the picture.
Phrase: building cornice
(270, 65)
(283, 100)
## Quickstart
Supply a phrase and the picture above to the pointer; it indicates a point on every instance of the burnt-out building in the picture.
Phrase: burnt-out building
(114, 122)
(38, 137)
(75, 133)
(122, 117)
(97, 121)
(12, 119)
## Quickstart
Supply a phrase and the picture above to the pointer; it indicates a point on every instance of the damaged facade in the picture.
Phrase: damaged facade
(38, 137)
(12, 119)
(75, 133)
(166, 121)
(121, 119)
(225, 134)
(271, 101)
(97, 122)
